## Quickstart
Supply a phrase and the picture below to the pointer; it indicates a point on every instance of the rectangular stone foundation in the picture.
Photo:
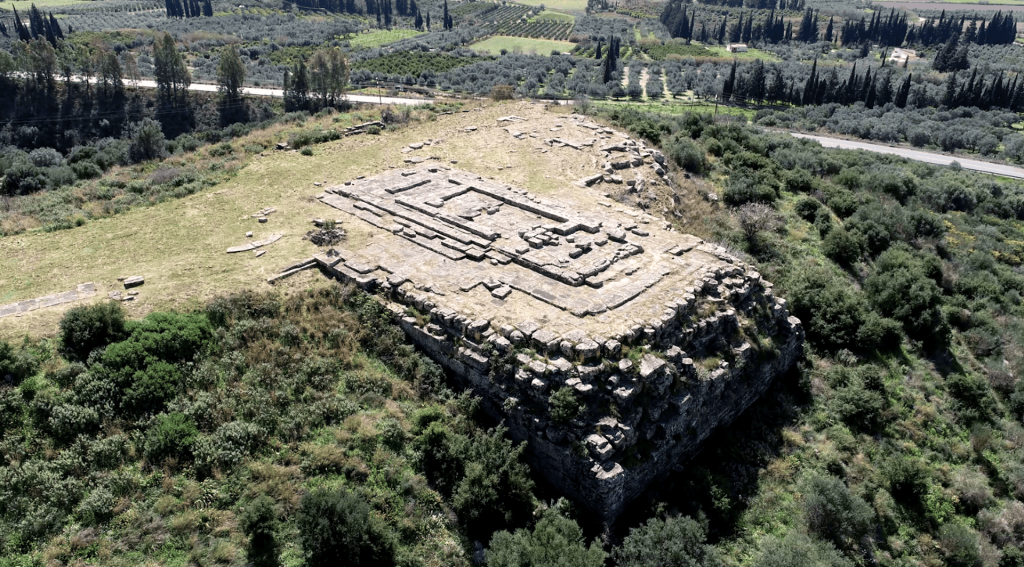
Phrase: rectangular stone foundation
(661, 336)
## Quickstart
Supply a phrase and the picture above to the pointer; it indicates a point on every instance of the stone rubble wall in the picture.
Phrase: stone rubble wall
(709, 356)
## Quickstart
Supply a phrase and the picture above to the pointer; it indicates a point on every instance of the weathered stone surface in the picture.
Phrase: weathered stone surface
(81, 291)
(593, 284)
(133, 281)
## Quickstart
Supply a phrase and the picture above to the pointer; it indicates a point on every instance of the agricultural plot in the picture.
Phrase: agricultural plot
(495, 44)
(380, 37)
(545, 29)
(554, 16)
(24, 5)
(560, 5)
(412, 63)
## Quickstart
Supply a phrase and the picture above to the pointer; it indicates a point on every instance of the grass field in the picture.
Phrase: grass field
(548, 15)
(495, 44)
(562, 5)
(379, 38)
(24, 5)
(749, 55)
(179, 245)
(668, 106)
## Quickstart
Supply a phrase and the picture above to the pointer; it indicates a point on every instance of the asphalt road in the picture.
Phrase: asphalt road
(256, 91)
(927, 157)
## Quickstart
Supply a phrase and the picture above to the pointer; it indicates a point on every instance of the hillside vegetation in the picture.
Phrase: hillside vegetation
(223, 434)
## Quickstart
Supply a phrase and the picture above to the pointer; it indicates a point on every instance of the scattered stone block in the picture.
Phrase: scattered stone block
(133, 281)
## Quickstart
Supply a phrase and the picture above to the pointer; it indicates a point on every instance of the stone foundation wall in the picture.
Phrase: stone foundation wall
(649, 397)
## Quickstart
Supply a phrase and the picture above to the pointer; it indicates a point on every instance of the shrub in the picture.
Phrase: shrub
(860, 408)
(336, 528)
(903, 287)
(258, 521)
(495, 491)
(798, 180)
(171, 437)
(687, 154)
(86, 170)
(842, 246)
(833, 513)
(307, 151)
(564, 405)
(960, 545)
(97, 507)
(91, 326)
(798, 550)
(755, 218)
(807, 208)
(45, 157)
(555, 541)
(906, 478)
(15, 365)
(674, 541)
(152, 387)
(973, 400)
(502, 92)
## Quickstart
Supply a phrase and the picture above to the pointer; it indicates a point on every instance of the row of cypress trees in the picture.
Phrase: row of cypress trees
(38, 27)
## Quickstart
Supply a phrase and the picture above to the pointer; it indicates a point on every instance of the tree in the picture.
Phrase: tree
(172, 76)
(672, 542)
(230, 74)
(337, 528)
(328, 75)
(146, 140)
(111, 74)
(556, 541)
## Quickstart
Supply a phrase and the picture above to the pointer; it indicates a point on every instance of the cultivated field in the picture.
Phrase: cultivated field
(24, 5)
(563, 5)
(1003, 5)
(381, 37)
(495, 44)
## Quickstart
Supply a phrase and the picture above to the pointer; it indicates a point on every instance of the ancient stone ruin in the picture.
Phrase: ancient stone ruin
(660, 337)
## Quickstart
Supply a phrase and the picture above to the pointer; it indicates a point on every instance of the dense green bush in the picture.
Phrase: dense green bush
(556, 541)
(88, 327)
(15, 364)
(904, 288)
(258, 521)
(798, 550)
(670, 542)
(171, 437)
(833, 513)
(687, 154)
(842, 246)
(564, 405)
(960, 545)
(336, 528)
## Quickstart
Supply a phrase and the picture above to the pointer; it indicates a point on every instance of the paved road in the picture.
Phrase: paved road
(927, 157)
(256, 91)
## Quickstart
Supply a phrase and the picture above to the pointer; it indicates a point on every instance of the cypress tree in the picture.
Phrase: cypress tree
(55, 26)
(810, 87)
